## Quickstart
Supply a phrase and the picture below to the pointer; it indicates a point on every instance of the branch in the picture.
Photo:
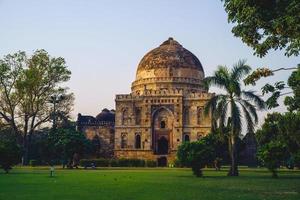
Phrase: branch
(287, 68)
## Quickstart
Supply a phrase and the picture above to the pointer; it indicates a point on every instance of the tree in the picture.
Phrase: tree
(65, 142)
(229, 108)
(266, 24)
(10, 152)
(26, 85)
(271, 155)
(283, 128)
(292, 102)
(196, 154)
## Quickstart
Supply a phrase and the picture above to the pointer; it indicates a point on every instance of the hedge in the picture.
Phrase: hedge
(123, 162)
(33, 163)
(96, 162)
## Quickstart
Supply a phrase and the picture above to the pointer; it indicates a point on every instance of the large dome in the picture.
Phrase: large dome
(169, 63)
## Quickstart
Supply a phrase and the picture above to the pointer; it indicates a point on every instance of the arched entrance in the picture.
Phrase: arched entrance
(162, 161)
(162, 131)
(162, 146)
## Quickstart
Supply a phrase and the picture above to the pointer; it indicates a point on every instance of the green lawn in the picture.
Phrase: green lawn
(154, 184)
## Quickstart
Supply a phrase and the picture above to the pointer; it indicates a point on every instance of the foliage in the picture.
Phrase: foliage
(296, 159)
(9, 151)
(196, 154)
(64, 143)
(228, 109)
(100, 162)
(281, 127)
(151, 163)
(26, 85)
(33, 163)
(293, 102)
(123, 162)
(257, 74)
(271, 155)
(266, 25)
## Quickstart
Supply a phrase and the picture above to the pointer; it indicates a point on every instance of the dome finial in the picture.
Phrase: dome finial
(170, 38)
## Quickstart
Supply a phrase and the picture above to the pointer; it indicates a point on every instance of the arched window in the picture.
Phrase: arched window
(162, 124)
(137, 141)
(199, 115)
(138, 116)
(186, 138)
(125, 116)
(123, 140)
(186, 116)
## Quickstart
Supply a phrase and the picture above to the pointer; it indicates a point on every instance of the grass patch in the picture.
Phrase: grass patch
(141, 183)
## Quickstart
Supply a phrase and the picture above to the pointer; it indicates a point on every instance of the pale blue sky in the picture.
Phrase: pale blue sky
(103, 41)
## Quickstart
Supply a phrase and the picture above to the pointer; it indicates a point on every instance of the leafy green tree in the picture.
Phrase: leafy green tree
(293, 102)
(196, 154)
(272, 155)
(26, 85)
(10, 152)
(281, 127)
(233, 105)
(266, 24)
(63, 143)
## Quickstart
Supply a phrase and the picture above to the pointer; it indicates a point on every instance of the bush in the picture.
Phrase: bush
(196, 155)
(10, 153)
(151, 163)
(272, 155)
(123, 162)
(33, 163)
(296, 157)
(114, 163)
(101, 162)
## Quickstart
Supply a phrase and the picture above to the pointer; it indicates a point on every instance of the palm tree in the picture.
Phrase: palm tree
(234, 106)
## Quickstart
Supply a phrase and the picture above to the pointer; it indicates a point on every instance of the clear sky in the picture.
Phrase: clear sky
(103, 41)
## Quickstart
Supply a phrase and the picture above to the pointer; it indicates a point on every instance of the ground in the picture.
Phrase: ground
(154, 184)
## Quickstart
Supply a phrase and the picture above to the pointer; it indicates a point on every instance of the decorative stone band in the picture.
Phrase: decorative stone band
(102, 123)
(166, 80)
(174, 92)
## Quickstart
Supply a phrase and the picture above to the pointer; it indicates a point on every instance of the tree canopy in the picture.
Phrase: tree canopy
(266, 24)
(26, 86)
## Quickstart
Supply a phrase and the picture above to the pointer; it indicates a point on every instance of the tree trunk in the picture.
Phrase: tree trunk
(233, 171)
(25, 141)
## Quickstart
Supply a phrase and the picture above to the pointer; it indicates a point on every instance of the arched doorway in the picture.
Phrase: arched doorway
(162, 130)
(162, 146)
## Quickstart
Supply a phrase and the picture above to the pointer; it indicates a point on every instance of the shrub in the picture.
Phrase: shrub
(114, 163)
(151, 163)
(33, 163)
(10, 153)
(296, 157)
(101, 162)
(124, 162)
(272, 155)
(196, 155)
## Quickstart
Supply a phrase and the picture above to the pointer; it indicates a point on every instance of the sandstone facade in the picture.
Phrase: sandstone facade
(164, 109)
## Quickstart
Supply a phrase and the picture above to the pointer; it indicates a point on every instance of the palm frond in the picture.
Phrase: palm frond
(248, 119)
(250, 108)
(239, 70)
(214, 81)
(256, 99)
(221, 111)
(236, 121)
